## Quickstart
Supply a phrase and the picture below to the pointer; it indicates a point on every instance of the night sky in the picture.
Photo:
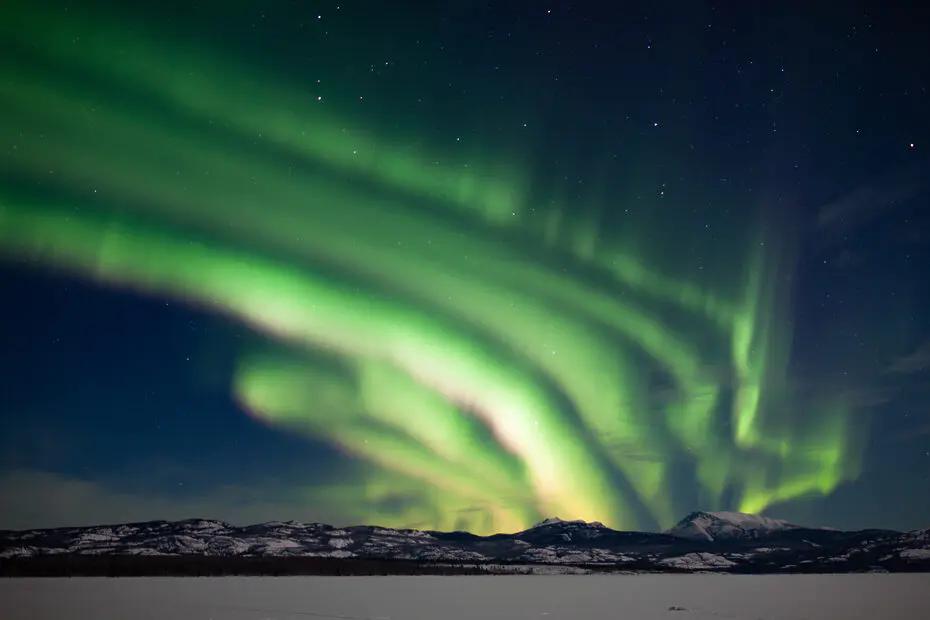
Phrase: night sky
(464, 265)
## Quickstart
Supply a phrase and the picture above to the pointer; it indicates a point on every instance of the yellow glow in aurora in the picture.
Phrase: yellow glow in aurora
(417, 315)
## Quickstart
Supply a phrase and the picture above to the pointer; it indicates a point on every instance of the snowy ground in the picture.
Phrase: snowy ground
(588, 597)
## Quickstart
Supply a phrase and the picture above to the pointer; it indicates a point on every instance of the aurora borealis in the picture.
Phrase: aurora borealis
(478, 312)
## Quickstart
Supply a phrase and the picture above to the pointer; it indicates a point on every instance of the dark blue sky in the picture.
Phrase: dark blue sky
(703, 121)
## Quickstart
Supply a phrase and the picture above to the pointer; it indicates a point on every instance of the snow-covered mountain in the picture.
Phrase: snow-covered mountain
(711, 526)
(703, 541)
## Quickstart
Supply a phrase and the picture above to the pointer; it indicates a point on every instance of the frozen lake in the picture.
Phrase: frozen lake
(867, 596)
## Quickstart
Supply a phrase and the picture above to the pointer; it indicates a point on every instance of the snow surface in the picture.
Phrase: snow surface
(698, 561)
(537, 597)
(915, 554)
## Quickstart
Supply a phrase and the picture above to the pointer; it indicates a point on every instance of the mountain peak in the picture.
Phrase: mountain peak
(726, 525)
(557, 521)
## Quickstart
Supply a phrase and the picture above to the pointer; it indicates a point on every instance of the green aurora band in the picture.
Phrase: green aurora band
(422, 314)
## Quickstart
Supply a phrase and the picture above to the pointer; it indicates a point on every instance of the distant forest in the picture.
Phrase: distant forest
(76, 565)
(66, 565)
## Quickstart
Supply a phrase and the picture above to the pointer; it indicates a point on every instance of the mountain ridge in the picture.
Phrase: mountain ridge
(702, 541)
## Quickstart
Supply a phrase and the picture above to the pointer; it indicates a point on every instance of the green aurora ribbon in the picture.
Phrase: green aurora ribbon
(480, 351)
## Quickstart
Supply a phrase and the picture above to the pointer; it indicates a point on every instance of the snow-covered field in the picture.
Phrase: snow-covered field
(588, 597)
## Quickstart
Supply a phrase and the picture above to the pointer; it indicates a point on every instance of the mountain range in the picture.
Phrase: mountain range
(702, 541)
